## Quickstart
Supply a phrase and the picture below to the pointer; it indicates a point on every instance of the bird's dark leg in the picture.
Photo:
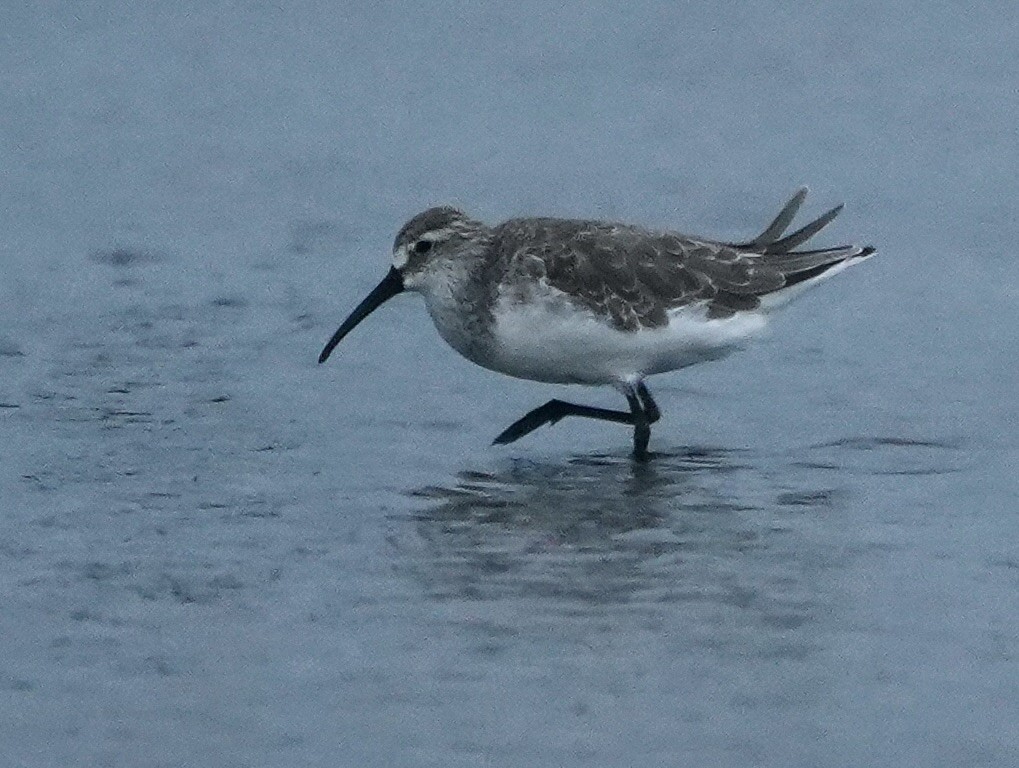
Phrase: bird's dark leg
(551, 412)
(643, 413)
(649, 404)
(641, 419)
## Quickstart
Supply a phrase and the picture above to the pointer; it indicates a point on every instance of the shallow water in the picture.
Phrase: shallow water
(216, 552)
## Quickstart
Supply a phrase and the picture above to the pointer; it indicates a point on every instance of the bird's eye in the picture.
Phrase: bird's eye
(422, 246)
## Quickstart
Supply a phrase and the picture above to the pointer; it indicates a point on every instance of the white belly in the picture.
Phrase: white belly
(564, 345)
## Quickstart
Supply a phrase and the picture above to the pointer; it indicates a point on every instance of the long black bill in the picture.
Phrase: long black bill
(391, 285)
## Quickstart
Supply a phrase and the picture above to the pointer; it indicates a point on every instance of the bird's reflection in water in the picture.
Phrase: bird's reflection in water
(598, 536)
(585, 502)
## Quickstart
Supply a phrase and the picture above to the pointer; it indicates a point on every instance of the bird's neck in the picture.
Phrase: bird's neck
(460, 297)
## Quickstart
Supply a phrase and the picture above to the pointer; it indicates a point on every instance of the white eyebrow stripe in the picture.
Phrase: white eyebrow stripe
(400, 257)
(434, 235)
(402, 254)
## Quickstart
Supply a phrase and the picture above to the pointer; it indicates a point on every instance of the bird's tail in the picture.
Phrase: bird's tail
(801, 269)
(770, 241)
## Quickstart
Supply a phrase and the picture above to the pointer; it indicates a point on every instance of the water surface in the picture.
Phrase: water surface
(216, 552)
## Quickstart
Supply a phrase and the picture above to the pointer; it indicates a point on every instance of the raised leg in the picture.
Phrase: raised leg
(643, 413)
(553, 411)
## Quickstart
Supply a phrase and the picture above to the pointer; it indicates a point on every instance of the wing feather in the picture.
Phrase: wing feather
(635, 277)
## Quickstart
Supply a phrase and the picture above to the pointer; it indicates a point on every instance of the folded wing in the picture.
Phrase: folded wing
(636, 278)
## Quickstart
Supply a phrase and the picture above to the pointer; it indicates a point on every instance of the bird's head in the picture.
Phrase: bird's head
(431, 250)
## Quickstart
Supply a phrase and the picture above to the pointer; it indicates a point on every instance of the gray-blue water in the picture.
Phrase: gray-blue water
(214, 552)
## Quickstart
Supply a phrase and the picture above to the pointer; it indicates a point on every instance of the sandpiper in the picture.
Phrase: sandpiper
(592, 302)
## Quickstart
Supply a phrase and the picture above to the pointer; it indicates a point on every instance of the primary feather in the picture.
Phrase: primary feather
(636, 278)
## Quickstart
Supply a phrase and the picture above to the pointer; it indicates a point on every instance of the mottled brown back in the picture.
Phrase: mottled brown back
(634, 276)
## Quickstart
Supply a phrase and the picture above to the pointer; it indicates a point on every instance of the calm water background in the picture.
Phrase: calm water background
(214, 552)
